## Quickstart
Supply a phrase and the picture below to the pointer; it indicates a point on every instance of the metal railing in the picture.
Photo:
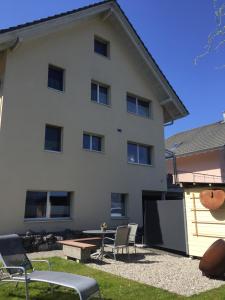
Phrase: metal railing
(185, 176)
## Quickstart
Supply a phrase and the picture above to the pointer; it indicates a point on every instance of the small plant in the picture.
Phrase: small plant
(104, 226)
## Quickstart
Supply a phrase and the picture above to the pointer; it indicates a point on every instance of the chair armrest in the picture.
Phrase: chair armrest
(42, 261)
(17, 268)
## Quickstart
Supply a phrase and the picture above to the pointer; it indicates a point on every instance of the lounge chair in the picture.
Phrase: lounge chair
(120, 241)
(18, 268)
(132, 236)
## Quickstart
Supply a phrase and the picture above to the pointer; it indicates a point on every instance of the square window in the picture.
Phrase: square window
(139, 154)
(55, 78)
(53, 138)
(101, 47)
(118, 205)
(132, 151)
(92, 142)
(59, 204)
(36, 205)
(138, 107)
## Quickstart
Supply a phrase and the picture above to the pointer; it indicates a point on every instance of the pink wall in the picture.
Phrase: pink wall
(203, 167)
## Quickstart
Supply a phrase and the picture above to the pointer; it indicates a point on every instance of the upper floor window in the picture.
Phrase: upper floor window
(138, 153)
(101, 46)
(99, 93)
(118, 205)
(53, 138)
(138, 106)
(55, 78)
(92, 142)
(47, 205)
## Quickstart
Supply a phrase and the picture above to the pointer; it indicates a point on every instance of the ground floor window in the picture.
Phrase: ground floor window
(47, 205)
(118, 205)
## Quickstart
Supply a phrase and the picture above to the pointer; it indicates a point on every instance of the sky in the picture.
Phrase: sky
(175, 32)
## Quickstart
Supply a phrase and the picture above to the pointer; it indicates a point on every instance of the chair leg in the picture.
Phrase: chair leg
(27, 291)
(114, 254)
(128, 253)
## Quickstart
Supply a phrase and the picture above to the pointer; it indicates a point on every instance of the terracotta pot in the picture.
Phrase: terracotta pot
(212, 264)
(212, 199)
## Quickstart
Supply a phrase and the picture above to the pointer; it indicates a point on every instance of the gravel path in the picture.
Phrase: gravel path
(176, 274)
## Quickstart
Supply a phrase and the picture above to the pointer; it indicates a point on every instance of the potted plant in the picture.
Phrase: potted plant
(103, 226)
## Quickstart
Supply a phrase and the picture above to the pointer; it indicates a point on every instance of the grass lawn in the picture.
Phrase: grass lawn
(112, 287)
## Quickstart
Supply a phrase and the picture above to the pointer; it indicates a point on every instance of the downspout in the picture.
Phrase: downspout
(173, 157)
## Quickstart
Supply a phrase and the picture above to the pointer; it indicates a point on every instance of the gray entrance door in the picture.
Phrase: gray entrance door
(164, 220)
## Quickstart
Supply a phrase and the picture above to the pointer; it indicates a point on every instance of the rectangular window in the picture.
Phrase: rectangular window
(53, 138)
(101, 47)
(55, 78)
(59, 204)
(118, 205)
(92, 142)
(138, 106)
(36, 205)
(99, 93)
(139, 154)
(45, 205)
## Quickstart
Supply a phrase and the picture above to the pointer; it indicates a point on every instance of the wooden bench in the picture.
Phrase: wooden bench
(80, 249)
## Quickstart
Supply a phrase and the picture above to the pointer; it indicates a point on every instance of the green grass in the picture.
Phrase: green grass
(112, 287)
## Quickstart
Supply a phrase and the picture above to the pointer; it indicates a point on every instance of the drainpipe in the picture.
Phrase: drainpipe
(173, 156)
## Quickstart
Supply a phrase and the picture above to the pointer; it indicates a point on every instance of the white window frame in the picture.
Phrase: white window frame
(138, 154)
(136, 106)
(91, 135)
(108, 93)
(48, 208)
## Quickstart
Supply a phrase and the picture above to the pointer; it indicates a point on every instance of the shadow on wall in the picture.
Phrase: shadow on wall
(219, 214)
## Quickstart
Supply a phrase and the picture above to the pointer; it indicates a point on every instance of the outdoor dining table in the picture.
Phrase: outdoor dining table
(100, 253)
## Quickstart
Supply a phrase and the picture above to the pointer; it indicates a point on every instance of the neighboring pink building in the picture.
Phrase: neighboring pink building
(199, 154)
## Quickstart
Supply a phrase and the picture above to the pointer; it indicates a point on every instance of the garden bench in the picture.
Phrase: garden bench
(79, 249)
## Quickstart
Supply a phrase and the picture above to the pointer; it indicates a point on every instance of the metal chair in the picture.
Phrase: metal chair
(133, 233)
(120, 241)
(18, 268)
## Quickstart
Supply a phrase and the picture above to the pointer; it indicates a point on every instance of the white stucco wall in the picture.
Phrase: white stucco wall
(29, 104)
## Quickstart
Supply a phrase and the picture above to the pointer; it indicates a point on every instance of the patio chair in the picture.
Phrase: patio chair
(132, 236)
(120, 241)
(18, 268)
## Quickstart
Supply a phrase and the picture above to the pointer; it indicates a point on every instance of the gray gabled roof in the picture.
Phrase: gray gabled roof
(199, 139)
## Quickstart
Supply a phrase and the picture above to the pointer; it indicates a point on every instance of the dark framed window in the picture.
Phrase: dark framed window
(118, 205)
(138, 106)
(99, 93)
(59, 204)
(53, 138)
(56, 78)
(92, 142)
(101, 46)
(47, 205)
(138, 153)
(36, 205)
